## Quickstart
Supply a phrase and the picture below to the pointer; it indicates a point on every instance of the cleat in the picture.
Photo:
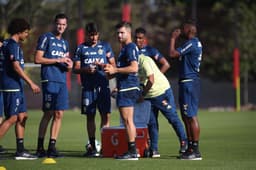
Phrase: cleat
(191, 156)
(155, 154)
(91, 154)
(53, 153)
(41, 153)
(183, 147)
(25, 155)
(128, 156)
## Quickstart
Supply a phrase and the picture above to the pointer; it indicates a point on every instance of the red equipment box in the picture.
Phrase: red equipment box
(114, 141)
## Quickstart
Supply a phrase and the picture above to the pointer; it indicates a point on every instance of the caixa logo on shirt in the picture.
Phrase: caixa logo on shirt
(93, 60)
(58, 53)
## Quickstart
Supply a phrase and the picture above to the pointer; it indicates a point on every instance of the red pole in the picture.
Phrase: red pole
(80, 37)
(68, 79)
(236, 77)
(236, 69)
(126, 12)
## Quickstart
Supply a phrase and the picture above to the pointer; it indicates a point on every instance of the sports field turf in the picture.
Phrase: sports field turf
(228, 141)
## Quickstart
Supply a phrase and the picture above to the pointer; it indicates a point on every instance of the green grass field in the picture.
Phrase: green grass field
(228, 141)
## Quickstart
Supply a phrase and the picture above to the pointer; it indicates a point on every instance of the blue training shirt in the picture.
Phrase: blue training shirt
(53, 48)
(88, 55)
(128, 54)
(190, 59)
(151, 52)
(10, 80)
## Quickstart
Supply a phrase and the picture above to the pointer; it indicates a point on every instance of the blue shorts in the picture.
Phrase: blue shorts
(14, 103)
(189, 93)
(98, 97)
(1, 104)
(55, 96)
(127, 98)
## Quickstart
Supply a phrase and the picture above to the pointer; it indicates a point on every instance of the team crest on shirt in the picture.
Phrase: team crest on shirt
(100, 51)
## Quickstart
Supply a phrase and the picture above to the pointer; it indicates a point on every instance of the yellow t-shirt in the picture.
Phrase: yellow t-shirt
(148, 67)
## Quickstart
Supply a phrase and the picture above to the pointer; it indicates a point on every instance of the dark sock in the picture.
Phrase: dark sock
(92, 142)
(40, 144)
(52, 143)
(195, 146)
(190, 146)
(132, 147)
(20, 144)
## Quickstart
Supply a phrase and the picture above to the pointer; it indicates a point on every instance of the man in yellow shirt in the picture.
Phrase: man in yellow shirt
(157, 90)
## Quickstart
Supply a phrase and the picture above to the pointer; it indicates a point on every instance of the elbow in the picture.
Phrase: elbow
(172, 54)
(133, 68)
(152, 81)
(37, 61)
(136, 69)
(167, 65)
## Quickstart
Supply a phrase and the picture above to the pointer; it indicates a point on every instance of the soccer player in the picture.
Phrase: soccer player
(190, 55)
(52, 53)
(88, 60)
(140, 39)
(127, 84)
(157, 90)
(12, 85)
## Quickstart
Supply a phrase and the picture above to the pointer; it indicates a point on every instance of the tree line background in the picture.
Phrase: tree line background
(222, 26)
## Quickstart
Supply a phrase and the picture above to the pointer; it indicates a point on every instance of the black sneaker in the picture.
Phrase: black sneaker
(128, 156)
(25, 155)
(183, 147)
(53, 153)
(41, 153)
(91, 153)
(155, 154)
(191, 156)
